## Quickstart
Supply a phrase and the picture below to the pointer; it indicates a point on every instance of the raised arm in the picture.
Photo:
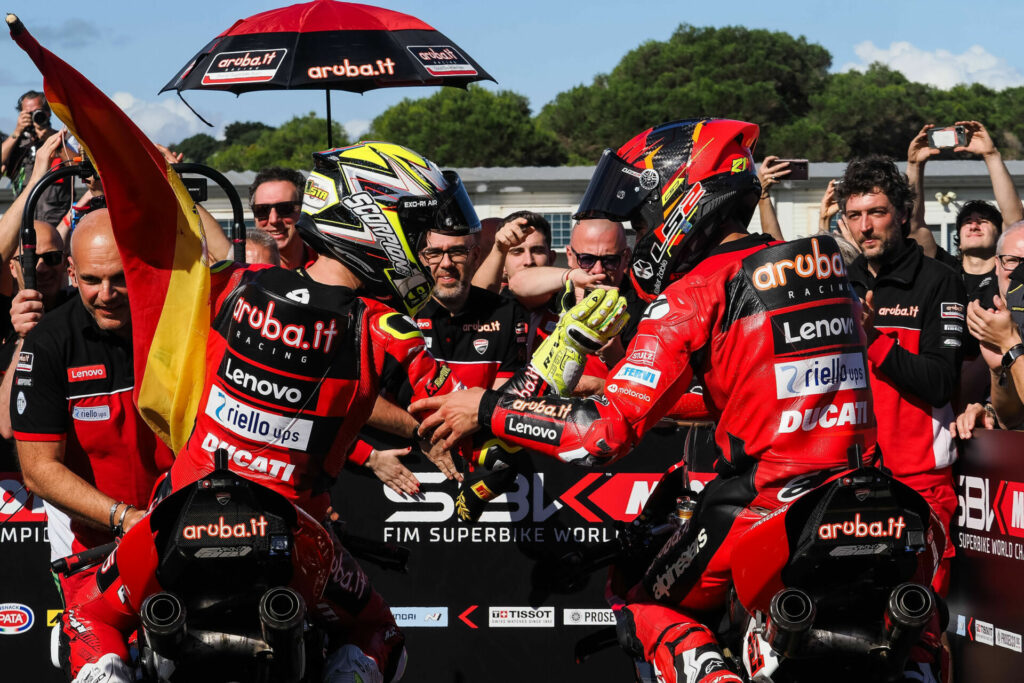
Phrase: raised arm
(980, 142)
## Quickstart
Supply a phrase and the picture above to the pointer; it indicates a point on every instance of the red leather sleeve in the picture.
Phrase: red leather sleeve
(640, 390)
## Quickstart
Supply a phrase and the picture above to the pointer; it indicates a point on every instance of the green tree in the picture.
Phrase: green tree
(197, 148)
(755, 75)
(873, 112)
(474, 127)
(290, 145)
(244, 132)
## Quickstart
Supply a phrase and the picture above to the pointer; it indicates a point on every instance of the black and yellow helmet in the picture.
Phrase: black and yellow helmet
(371, 204)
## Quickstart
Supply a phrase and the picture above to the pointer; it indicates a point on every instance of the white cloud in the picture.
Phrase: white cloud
(166, 121)
(940, 68)
(356, 128)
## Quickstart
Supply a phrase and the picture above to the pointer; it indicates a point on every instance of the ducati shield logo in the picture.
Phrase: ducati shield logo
(480, 345)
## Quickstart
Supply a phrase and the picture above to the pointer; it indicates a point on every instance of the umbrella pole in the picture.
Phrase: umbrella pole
(330, 140)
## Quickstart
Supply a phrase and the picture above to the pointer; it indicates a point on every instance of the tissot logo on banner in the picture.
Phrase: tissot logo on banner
(588, 617)
(421, 617)
(284, 430)
(813, 328)
(521, 617)
(821, 375)
(250, 66)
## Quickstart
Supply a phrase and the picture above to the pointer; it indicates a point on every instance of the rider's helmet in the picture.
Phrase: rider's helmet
(370, 205)
(676, 183)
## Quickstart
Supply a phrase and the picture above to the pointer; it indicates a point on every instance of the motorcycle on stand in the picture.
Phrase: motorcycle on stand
(835, 583)
(223, 580)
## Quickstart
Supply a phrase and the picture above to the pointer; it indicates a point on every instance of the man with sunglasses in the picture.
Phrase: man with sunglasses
(275, 198)
(597, 256)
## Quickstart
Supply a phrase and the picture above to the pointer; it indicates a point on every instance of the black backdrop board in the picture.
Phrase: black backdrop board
(25, 586)
(468, 605)
(986, 603)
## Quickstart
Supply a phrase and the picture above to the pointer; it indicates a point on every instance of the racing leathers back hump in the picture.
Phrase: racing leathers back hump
(293, 370)
(773, 333)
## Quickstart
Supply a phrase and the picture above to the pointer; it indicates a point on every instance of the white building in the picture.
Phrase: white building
(556, 191)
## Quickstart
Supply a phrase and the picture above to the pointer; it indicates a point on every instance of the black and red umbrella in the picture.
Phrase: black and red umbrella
(327, 45)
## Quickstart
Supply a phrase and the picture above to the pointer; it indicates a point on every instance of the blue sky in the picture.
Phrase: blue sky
(535, 47)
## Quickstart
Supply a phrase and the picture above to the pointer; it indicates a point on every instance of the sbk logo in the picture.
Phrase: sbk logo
(984, 502)
(596, 497)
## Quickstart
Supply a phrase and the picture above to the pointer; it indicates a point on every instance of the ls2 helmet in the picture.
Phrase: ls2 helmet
(370, 206)
(677, 184)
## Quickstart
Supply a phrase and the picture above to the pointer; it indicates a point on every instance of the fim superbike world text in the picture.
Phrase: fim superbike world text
(522, 515)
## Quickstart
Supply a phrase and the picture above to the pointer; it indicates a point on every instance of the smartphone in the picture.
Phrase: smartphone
(797, 169)
(947, 137)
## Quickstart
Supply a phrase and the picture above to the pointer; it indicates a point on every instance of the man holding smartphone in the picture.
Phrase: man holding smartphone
(978, 226)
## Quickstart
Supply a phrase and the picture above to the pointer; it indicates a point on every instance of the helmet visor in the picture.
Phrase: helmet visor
(617, 189)
(449, 212)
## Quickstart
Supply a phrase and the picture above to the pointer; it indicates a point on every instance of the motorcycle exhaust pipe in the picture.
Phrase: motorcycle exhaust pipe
(163, 622)
(907, 613)
(282, 611)
(790, 617)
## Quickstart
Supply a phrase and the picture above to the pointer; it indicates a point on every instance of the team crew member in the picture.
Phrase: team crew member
(82, 445)
(294, 361)
(482, 335)
(914, 321)
(717, 295)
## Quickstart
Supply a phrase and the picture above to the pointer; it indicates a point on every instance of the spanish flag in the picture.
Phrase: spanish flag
(158, 234)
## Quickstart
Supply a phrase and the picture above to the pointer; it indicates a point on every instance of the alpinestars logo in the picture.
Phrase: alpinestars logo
(664, 582)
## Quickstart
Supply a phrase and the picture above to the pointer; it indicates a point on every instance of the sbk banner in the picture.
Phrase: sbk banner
(29, 603)
(986, 624)
(470, 599)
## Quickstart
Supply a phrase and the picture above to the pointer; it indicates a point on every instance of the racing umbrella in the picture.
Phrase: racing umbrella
(327, 45)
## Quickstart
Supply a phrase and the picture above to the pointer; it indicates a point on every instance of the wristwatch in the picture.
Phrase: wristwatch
(1015, 352)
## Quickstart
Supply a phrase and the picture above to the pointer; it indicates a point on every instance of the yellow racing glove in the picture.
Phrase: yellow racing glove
(583, 329)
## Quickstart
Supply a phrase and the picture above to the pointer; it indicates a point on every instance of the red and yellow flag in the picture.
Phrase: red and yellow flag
(159, 237)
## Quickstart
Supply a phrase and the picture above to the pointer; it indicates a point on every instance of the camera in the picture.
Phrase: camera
(947, 137)
(41, 117)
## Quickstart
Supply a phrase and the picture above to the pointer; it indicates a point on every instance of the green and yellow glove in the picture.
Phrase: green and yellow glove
(583, 329)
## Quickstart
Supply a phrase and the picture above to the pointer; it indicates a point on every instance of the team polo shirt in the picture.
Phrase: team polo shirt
(485, 341)
(73, 383)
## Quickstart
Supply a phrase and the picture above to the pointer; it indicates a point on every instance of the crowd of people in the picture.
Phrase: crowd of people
(419, 325)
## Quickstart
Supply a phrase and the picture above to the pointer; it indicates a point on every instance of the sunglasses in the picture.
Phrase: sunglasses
(262, 211)
(588, 261)
(433, 255)
(50, 258)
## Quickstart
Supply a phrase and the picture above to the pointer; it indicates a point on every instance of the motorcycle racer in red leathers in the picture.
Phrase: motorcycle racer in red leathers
(771, 330)
(294, 362)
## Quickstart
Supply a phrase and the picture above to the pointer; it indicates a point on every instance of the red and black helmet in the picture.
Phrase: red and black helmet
(676, 183)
